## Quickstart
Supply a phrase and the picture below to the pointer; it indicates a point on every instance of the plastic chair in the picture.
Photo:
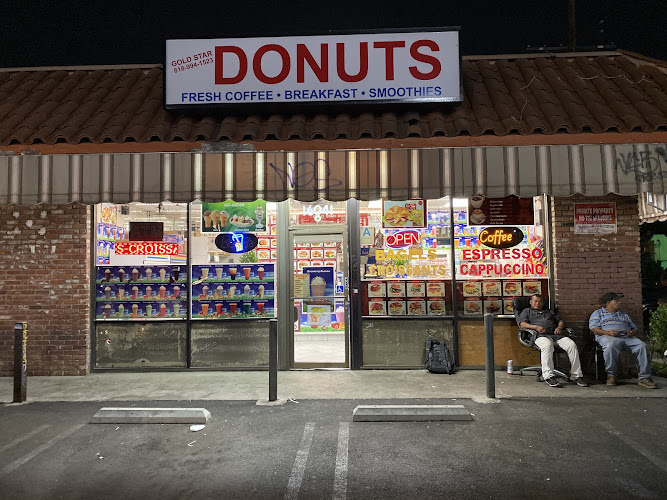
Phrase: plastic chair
(527, 338)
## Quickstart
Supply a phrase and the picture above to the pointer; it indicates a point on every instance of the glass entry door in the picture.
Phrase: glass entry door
(320, 299)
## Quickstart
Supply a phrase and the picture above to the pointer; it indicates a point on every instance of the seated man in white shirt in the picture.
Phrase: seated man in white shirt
(545, 323)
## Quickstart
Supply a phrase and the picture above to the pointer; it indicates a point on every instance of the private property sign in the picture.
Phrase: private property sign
(595, 218)
(397, 67)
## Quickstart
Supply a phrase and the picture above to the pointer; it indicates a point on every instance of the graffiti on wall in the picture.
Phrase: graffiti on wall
(305, 175)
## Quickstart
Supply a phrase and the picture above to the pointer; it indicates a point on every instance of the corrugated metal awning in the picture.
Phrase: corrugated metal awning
(334, 175)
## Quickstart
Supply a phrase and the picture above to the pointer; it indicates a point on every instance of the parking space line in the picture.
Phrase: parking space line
(294, 483)
(662, 464)
(340, 475)
(23, 438)
(18, 463)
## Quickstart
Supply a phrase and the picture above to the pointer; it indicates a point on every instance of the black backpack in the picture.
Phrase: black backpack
(438, 357)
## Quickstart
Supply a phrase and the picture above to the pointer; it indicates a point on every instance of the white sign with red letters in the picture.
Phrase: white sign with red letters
(377, 67)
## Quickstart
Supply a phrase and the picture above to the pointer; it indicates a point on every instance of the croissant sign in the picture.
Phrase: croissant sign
(415, 66)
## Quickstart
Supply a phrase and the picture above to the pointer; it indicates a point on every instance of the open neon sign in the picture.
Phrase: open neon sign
(403, 239)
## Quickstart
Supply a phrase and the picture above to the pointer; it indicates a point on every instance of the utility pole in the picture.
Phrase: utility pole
(572, 27)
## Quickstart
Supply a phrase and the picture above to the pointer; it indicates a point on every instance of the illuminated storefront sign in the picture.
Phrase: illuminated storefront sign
(501, 237)
(419, 66)
(145, 248)
(236, 242)
(403, 239)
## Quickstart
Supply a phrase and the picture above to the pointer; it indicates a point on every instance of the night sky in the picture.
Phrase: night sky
(82, 32)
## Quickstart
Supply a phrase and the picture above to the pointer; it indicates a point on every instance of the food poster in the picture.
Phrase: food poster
(232, 308)
(472, 307)
(416, 289)
(265, 254)
(396, 307)
(472, 289)
(512, 288)
(377, 308)
(532, 288)
(233, 216)
(508, 211)
(435, 289)
(264, 242)
(491, 288)
(319, 316)
(395, 289)
(508, 306)
(255, 272)
(302, 253)
(141, 300)
(493, 306)
(321, 281)
(108, 213)
(435, 307)
(233, 291)
(377, 289)
(416, 307)
(140, 274)
(402, 214)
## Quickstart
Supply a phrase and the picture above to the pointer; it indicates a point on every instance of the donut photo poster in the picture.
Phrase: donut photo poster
(377, 289)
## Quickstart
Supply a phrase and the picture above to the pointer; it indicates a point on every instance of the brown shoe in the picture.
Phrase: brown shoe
(611, 380)
(648, 383)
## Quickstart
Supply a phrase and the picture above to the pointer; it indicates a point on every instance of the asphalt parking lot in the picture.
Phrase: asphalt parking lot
(519, 448)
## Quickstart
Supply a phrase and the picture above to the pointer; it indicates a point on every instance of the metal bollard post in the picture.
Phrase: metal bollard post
(490, 373)
(273, 359)
(20, 361)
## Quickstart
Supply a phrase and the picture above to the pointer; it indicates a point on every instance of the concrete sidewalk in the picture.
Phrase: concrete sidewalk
(302, 385)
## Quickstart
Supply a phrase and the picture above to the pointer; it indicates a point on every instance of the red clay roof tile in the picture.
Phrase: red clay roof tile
(502, 95)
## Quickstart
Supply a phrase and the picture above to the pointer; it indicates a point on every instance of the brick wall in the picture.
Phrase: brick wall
(45, 261)
(589, 265)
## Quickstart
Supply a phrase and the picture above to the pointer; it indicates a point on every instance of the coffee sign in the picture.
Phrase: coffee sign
(501, 237)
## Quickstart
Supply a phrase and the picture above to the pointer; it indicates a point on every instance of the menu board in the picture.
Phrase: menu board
(314, 255)
(301, 285)
(140, 293)
(405, 298)
(495, 297)
(222, 291)
(510, 210)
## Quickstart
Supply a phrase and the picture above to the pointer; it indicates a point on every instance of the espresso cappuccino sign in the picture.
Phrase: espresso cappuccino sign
(357, 68)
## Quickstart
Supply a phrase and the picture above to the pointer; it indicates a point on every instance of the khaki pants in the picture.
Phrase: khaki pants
(546, 346)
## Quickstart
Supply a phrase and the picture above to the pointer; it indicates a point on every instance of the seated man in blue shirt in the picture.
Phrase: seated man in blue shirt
(614, 330)
(545, 323)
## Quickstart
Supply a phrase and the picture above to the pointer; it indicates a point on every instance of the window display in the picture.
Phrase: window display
(233, 285)
(137, 279)
(406, 258)
(145, 292)
(233, 291)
